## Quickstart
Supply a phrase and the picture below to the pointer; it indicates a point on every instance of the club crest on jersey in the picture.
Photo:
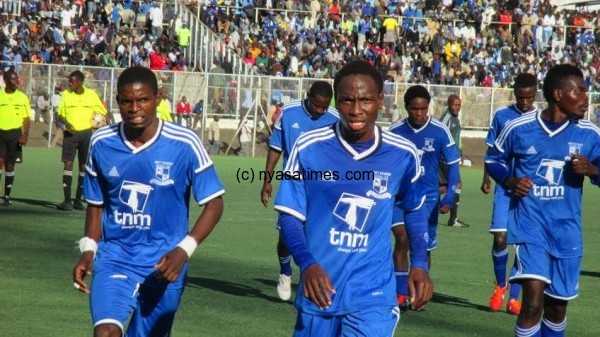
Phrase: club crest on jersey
(380, 186)
(162, 174)
(134, 195)
(574, 148)
(353, 210)
(428, 147)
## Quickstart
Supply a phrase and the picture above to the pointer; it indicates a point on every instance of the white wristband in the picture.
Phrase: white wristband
(188, 244)
(87, 244)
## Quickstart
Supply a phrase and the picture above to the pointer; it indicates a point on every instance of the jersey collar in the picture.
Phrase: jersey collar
(355, 155)
(421, 128)
(149, 143)
(550, 133)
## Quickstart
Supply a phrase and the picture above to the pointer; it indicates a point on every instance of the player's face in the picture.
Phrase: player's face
(573, 98)
(75, 84)
(318, 105)
(358, 102)
(454, 105)
(137, 105)
(418, 109)
(524, 98)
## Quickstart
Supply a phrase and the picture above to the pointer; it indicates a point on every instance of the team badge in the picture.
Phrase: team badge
(380, 186)
(428, 147)
(574, 148)
(162, 174)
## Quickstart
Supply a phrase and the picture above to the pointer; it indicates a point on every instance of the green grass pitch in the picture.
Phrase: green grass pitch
(231, 283)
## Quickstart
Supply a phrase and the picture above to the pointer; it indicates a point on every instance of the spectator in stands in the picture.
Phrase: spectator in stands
(184, 110)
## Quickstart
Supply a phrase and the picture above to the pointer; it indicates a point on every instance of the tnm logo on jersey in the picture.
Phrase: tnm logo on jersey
(354, 211)
(551, 170)
(134, 195)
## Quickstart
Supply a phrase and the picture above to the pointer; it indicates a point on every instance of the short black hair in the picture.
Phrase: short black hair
(453, 97)
(320, 88)
(358, 68)
(416, 91)
(78, 75)
(525, 80)
(138, 74)
(556, 78)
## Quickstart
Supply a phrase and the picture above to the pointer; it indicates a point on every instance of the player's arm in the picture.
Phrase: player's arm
(267, 188)
(585, 167)
(26, 123)
(418, 277)
(495, 164)
(486, 184)
(88, 246)
(315, 282)
(452, 157)
(275, 149)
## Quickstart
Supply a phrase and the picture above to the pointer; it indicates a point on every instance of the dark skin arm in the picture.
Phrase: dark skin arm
(518, 186)
(317, 286)
(170, 265)
(486, 185)
(267, 188)
(93, 230)
(25, 136)
(419, 279)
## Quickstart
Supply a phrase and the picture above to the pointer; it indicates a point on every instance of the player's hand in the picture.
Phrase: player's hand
(486, 186)
(581, 165)
(317, 286)
(518, 186)
(171, 264)
(420, 287)
(445, 209)
(69, 128)
(24, 138)
(82, 269)
(265, 193)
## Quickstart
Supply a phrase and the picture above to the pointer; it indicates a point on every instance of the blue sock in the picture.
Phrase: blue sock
(550, 329)
(534, 331)
(401, 282)
(285, 265)
(515, 288)
(500, 258)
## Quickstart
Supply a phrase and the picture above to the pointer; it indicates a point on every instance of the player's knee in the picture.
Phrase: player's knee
(107, 330)
(500, 241)
(555, 310)
(531, 311)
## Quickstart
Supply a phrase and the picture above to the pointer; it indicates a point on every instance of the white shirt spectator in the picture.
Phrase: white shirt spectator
(67, 16)
(156, 15)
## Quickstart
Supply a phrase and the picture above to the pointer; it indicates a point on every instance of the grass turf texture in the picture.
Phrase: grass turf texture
(232, 279)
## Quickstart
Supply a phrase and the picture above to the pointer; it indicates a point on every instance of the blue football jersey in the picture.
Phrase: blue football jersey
(501, 117)
(347, 221)
(550, 214)
(432, 140)
(295, 120)
(144, 191)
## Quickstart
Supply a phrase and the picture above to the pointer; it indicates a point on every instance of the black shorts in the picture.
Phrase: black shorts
(9, 144)
(76, 143)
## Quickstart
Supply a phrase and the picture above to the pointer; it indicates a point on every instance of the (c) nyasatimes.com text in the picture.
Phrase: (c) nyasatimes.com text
(249, 175)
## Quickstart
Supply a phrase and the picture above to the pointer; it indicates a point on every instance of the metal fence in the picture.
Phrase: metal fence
(235, 97)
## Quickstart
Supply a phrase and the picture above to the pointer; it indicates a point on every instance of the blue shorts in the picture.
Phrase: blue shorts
(560, 274)
(118, 294)
(500, 210)
(370, 322)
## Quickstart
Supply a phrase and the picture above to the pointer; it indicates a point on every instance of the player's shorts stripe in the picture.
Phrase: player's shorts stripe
(110, 321)
(561, 297)
(290, 211)
(210, 197)
(398, 224)
(94, 202)
(90, 170)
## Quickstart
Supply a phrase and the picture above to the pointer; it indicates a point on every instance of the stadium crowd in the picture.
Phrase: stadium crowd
(460, 42)
(95, 33)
